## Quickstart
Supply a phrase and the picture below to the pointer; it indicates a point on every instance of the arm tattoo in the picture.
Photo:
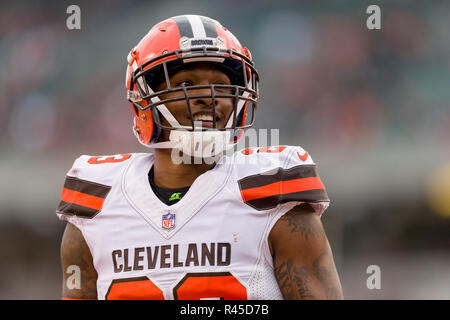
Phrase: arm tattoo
(293, 281)
(326, 276)
(301, 223)
(303, 262)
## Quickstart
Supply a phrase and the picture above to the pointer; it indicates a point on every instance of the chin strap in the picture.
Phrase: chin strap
(197, 144)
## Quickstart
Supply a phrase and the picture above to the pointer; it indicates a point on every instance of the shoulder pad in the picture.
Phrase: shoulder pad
(101, 169)
(270, 176)
(88, 183)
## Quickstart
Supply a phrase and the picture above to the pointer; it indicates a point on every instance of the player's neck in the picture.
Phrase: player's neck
(170, 175)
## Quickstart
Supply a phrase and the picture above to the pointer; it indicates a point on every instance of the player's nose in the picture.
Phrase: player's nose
(204, 97)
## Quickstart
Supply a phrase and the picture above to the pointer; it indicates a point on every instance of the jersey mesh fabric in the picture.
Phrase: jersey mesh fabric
(262, 286)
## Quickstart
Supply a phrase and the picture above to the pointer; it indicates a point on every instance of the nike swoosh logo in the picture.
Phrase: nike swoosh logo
(304, 156)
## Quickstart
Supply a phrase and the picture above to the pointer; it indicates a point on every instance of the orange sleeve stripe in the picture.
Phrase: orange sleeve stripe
(82, 199)
(282, 187)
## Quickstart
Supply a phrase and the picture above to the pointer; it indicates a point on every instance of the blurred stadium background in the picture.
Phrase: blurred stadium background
(372, 107)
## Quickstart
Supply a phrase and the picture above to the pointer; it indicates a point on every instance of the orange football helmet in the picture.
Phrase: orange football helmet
(171, 44)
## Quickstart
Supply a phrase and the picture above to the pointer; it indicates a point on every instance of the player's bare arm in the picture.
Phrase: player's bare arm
(303, 260)
(74, 251)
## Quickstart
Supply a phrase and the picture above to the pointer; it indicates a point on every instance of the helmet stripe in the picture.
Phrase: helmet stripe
(210, 28)
(184, 26)
(197, 26)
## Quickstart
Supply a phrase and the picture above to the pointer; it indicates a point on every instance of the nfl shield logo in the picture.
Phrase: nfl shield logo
(168, 221)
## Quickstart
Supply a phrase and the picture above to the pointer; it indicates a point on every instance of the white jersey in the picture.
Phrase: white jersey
(213, 243)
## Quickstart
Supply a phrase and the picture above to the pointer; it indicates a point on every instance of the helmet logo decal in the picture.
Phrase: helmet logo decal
(202, 42)
(186, 43)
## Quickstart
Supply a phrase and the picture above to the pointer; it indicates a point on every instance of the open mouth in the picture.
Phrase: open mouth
(205, 119)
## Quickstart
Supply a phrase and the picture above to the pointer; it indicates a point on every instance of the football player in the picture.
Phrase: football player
(187, 221)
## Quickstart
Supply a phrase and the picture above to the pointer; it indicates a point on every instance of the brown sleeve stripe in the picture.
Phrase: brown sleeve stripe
(82, 198)
(272, 202)
(262, 179)
(85, 186)
(72, 209)
(282, 187)
(300, 183)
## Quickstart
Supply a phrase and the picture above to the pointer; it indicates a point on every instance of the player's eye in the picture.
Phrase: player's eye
(184, 83)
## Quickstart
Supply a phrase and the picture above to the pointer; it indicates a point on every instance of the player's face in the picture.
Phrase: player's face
(201, 108)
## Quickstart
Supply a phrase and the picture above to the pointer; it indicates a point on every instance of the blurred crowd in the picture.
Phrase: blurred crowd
(324, 74)
(329, 84)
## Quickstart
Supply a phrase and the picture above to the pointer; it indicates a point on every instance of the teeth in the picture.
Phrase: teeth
(203, 117)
